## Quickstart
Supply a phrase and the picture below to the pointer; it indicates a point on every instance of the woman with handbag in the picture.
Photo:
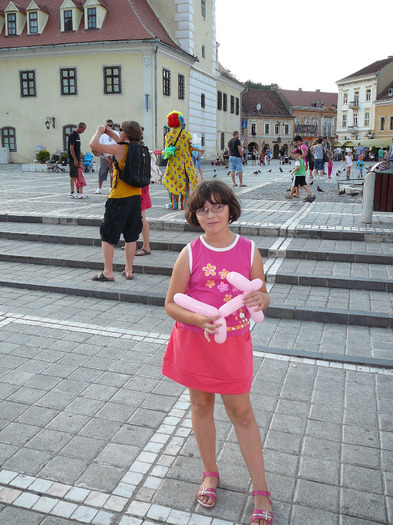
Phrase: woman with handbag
(180, 177)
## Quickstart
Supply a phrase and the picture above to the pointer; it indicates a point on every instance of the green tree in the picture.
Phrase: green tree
(259, 85)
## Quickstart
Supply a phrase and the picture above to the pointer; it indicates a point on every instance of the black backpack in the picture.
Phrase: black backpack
(136, 171)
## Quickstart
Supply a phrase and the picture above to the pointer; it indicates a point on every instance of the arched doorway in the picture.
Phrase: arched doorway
(252, 145)
(276, 150)
(285, 146)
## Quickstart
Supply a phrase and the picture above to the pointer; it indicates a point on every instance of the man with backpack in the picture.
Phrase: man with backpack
(123, 215)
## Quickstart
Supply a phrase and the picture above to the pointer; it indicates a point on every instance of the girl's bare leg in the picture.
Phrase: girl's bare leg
(241, 414)
(202, 416)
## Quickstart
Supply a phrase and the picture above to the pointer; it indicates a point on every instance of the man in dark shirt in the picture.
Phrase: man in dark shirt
(236, 158)
(74, 156)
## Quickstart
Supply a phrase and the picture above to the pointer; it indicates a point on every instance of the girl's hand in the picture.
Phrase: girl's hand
(258, 300)
(101, 130)
(207, 324)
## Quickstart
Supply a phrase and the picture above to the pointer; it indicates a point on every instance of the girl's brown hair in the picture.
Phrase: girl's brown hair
(133, 130)
(213, 191)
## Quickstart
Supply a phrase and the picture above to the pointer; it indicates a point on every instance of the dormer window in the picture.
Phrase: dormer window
(91, 18)
(15, 17)
(11, 24)
(67, 20)
(71, 12)
(95, 13)
(33, 22)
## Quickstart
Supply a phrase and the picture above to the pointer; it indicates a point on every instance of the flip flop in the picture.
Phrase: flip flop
(141, 252)
(101, 278)
(126, 276)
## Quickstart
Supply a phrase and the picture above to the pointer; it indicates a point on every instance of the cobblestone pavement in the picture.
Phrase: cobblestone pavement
(91, 432)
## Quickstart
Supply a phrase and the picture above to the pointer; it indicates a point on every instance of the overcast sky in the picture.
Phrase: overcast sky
(264, 40)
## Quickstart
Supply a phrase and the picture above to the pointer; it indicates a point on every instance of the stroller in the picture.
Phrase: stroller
(88, 162)
(53, 163)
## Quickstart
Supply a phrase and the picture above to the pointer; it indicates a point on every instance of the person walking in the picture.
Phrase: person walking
(105, 160)
(236, 158)
(198, 362)
(348, 163)
(319, 164)
(74, 156)
(180, 176)
(123, 213)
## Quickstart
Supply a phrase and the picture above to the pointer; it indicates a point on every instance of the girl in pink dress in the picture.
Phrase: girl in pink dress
(195, 360)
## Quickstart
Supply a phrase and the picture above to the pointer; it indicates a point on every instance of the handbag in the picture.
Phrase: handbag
(325, 157)
(169, 151)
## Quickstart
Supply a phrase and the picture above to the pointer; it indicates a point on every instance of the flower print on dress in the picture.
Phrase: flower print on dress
(227, 298)
(223, 274)
(210, 269)
(210, 283)
(222, 287)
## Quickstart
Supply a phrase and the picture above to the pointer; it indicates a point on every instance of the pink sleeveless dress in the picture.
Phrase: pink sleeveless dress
(190, 359)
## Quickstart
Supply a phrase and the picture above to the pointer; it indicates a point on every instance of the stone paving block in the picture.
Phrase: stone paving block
(321, 448)
(103, 518)
(49, 440)
(360, 436)
(361, 456)
(28, 461)
(317, 495)
(101, 477)
(83, 448)
(316, 469)
(17, 433)
(283, 442)
(84, 514)
(363, 505)
(26, 500)
(45, 505)
(15, 515)
(8, 495)
(63, 469)
(101, 428)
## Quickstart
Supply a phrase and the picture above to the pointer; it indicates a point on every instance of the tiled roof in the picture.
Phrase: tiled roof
(309, 98)
(42, 7)
(226, 73)
(372, 68)
(125, 20)
(19, 8)
(270, 101)
(385, 93)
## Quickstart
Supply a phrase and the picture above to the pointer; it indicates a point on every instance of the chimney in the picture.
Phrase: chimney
(300, 89)
(318, 90)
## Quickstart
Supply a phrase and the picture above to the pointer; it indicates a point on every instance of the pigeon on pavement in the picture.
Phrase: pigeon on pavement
(215, 173)
(281, 170)
(256, 172)
(319, 189)
(269, 171)
(311, 183)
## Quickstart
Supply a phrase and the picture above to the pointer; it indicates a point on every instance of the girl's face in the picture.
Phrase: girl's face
(213, 218)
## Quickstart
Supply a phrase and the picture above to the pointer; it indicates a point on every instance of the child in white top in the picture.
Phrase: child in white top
(348, 163)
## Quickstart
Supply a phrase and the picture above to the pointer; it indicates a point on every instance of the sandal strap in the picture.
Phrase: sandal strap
(211, 475)
(260, 514)
(265, 493)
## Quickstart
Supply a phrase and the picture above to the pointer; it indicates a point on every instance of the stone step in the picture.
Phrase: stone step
(294, 248)
(304, 303)
(376, 277)
(174, 221)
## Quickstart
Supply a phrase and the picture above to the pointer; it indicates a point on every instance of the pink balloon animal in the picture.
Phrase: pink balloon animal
(238, 281)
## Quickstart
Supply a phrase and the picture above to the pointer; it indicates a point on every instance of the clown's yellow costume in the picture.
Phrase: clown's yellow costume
(180, 176)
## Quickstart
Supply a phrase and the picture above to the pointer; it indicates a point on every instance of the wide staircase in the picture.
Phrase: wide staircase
(331, 299)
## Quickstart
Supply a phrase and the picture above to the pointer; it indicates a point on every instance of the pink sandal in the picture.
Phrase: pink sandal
(260, 514)
(208, 492)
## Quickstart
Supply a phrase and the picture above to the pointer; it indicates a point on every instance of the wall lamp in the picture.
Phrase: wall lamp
(50, 121)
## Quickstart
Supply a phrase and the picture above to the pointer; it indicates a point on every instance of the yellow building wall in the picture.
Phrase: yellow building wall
(383, 138)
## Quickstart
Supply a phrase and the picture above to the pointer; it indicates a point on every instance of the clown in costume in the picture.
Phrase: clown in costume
(180, 176)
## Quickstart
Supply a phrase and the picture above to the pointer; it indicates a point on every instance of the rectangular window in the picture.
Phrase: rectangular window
(286, 129)
(202, 140)
(91, 18)
(253, 129)
(11, 23)
(237, 105)
(8, 139)
(203, 8)
(390, 123)
(219, 99)
(203, 52)
(112, 80)
(225, 102)
(181, 83)
(203, 100)
(367, 119)
(276, 128)
(68, 20)
(68, 81)
(345, 98)
(232, 104)
(382, 124)
(368, 94)
(33, 22)
(27, 84)
(344, 123)
(166, 82)
(355, 120)
(267, 129)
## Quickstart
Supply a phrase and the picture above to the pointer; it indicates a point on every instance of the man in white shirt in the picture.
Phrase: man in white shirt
(105, 161)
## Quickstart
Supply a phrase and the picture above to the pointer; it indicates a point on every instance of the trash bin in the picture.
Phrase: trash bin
(160, 160)
(383, 192)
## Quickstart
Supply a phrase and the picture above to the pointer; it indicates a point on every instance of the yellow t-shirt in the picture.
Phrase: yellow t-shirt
(122, 189)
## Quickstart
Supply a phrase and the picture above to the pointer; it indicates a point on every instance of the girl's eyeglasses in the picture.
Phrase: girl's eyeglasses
(216, 208)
